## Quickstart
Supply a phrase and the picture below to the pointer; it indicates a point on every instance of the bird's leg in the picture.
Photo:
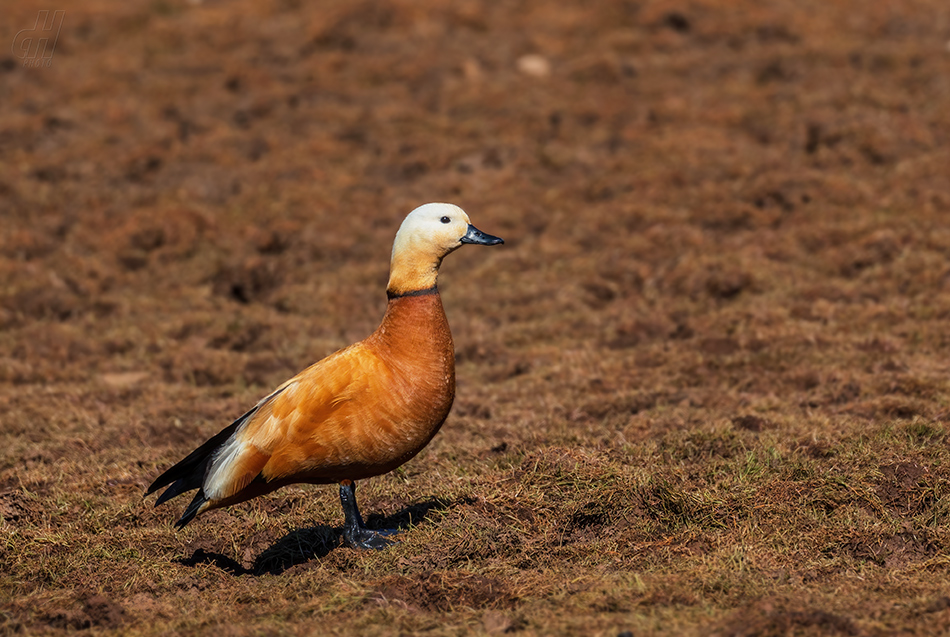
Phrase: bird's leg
(355, 532)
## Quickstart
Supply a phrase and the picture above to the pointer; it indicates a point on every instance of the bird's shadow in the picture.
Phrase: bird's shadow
(303, 545)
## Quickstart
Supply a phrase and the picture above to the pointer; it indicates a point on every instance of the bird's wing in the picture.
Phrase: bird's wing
(295, 431)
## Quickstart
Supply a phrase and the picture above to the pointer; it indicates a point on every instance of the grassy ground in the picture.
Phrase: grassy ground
(703, 388)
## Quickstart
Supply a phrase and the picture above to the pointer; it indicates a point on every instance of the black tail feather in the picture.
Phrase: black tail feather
(192, 510)
(189, 473)
(179, 487)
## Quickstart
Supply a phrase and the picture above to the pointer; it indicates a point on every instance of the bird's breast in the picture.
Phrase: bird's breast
(415, 344)
(396, 401)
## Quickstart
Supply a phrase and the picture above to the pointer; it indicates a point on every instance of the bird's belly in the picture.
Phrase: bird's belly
(377, 452)
(357, 447)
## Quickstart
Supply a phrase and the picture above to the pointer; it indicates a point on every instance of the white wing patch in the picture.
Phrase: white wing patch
(220, 472)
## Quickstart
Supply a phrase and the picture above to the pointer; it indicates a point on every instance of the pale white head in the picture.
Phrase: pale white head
(427, 234)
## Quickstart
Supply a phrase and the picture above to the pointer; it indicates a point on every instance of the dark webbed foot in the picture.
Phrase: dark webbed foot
(368, 538)
(355, 533)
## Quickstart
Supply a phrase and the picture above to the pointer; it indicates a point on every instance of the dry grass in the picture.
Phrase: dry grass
(703, 389)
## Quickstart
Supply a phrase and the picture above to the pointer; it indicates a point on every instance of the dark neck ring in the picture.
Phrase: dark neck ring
(423, 292)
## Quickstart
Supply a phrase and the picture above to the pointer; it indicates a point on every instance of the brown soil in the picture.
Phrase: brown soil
(703, 388)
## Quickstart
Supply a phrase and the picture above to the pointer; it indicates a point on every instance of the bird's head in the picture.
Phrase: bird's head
(428, 233)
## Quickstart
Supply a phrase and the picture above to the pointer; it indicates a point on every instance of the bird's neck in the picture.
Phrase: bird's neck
(415, 334)
(412, 273)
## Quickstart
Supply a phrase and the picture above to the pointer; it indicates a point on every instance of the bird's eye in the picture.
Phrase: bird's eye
(445, 220)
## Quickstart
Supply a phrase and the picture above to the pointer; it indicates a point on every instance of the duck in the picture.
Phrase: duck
(358, 413)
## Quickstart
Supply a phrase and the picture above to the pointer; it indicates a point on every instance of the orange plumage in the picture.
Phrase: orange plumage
(358, 413)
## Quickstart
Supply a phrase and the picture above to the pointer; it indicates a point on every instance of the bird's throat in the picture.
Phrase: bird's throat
(413, 273)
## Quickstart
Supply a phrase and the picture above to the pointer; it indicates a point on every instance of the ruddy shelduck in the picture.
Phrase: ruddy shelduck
(358, 413)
